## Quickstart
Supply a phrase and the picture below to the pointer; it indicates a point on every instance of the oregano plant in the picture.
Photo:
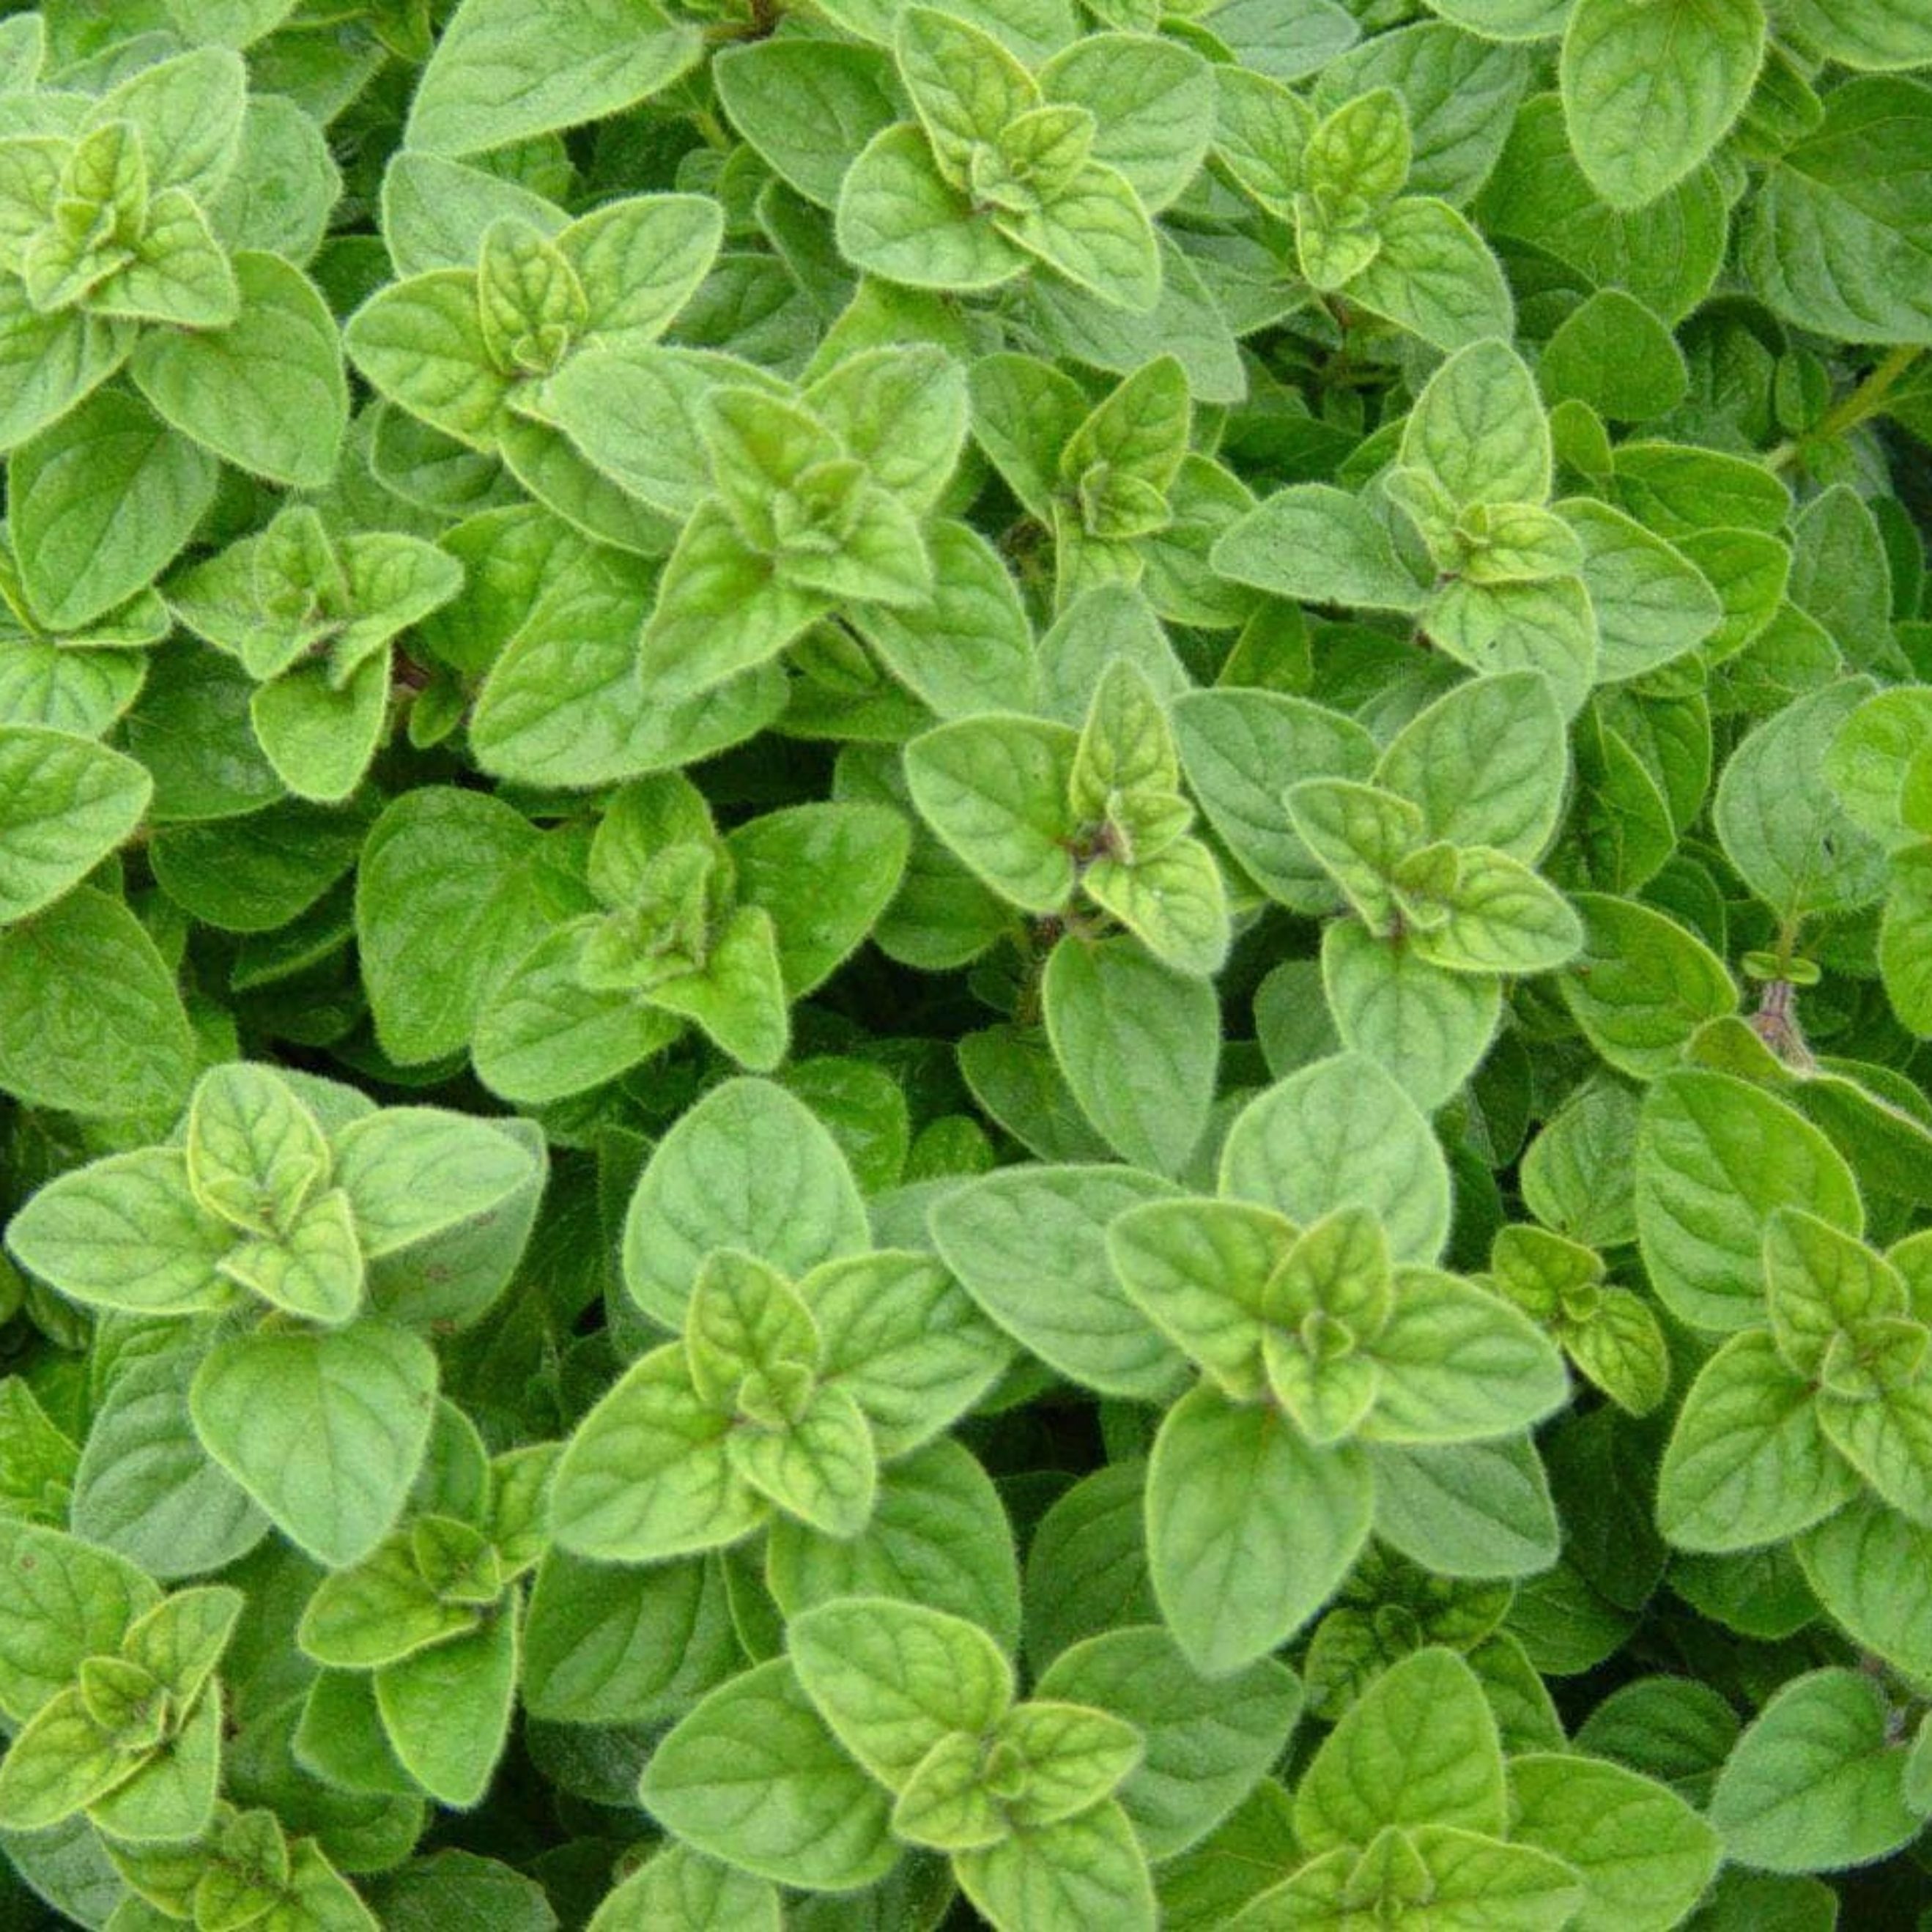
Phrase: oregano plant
(965, 963)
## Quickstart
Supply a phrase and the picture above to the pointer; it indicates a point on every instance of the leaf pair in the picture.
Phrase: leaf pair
(780, 1397)
(419, 1642)
(311, 617)
(1001, 170)
(815, 502)
(1786, 1424)
(113, 1686)
(1021, 1795)
(1040, 811)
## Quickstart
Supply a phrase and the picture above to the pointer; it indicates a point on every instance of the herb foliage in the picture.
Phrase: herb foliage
(965, 964)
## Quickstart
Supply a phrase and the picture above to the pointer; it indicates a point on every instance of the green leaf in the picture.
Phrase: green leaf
(324, 1431)
(1200, 1271)
(1904, 933)
(91, 1019)
(266, 393)
(753, 1777)
(999, 1234)
(1138, 1044)
(1434, 275)
(447, 1709)
(1644, 1855)
(1477, 429)
(1615, 354)
(61, 1762)
(1341, 1133)
(825, 872)
(69, 802)
(255, 1153)
(1652, 604)
(1419, 1746)
(904, 1341)
(66, 1600)
(807, 111)
(1250, 1530)
(1084, 1870)
(938, 1536)
(1320, 544)
(311, 1267)
(1153, 100)
(748, 1167)
(647, 1474)
(1643, 985)
(1207, 1741)
(1486, 763)
(679, 1889)
(98, 503)
(1715, 1156)
(1748, 1462)
(1864, 1562)
(484, 87)
(994, 789)
(1237, 744)
(892, 1679)
(51, 362)
(1816, 1782)
(1467, 1509)
(1428, 1027)
(1648, 92)
(1801, 853)
(820, 1467)
(900, 218)
(1458, 1363)
(1832, 243)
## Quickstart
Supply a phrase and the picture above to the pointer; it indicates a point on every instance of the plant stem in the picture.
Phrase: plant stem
(1853, 408)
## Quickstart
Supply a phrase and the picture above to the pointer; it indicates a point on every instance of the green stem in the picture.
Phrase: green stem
(1851, 409)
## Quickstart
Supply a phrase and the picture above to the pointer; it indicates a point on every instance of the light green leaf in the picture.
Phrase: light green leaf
(1207, 1741)
(1477, 429)
(420, 342)
(994, 789)
(1002, 1234)
(899, 217)
(1467, 1509)
(1816, 1782)
(1250, 1530)
(255, 1152)
(311, 1267)
(1088, 1870)
(127, 1232)
(324, 1431)
(1645, 1856)
(1649, 90)
(1419, 1746)
(1138, 1044)
(485, 86)
(753, 1777)
(65, 804)
(98, 503)
(65, 1600)
(892, 1679)
(267, 392)
(679, 1889)
(1797, 848)
(447, 1709)
(1485, 762)
(91, 1019)
(1866, 1563)
(1833, 242)
(1320, 544)
(1715, 1156)
(748, 1167)
(1435, 275)
(1642, 986)
(1428, 1027)
(1458, 1363)
(1748, 1462)
(646, 1475)
(1652, 604)
(1341, 1133)
(411, 1172)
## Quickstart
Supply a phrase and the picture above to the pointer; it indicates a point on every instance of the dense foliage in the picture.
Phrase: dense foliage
(965, 964)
